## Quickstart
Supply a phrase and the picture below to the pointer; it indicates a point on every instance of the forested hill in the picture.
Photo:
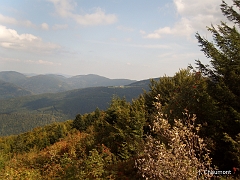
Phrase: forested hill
(184, 127)
(52, 83)
(118, 142)
(10, 90)
(21, 114)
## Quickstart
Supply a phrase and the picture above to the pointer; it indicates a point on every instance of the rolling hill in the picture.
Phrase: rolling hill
(52, 83)
(46, 84)
(22, 114)
(9, 90)
(92, 80)
(13, 77)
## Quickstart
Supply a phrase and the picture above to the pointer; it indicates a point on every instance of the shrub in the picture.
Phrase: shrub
(175, 152)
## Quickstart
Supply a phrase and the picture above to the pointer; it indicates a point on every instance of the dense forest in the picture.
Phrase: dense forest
(18, 115)
(185, 127)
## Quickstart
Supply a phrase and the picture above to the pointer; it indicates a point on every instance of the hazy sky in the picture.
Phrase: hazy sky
(134, 39)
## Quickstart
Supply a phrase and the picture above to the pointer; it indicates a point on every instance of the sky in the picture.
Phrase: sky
(112, 38)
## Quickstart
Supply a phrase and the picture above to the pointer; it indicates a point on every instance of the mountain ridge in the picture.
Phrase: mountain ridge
(23, 112)
(54, 83)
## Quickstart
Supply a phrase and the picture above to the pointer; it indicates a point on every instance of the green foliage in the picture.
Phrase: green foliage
(3, 160)
(223, 76)
(126, 138)
(65, 159)
(121, 130)
(37, 139)
(16, 123)
(94, 161)
(186, 90)
(79, 123)
(9, 90)
(234, 144)
(22, 114)
(177, 92)
(107, 148)
(82, 122)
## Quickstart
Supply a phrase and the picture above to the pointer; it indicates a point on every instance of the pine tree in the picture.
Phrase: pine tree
(223, 75)
(185, 91)
(122, 128)
(79, 123)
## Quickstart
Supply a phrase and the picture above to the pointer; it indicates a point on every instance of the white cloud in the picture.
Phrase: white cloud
(150, 46)
(154, 35)
(142, 32)
(10, 20)
(38, 62)
(179, 5)
(128, 39)
(7, 20)
(59, 26)
(182, 28)
(205, 7)
(9, 38)
(194, 16)
(97, 18)
(123, 28)
(43, 62)
(44, 26)
(113, 39)
(5, 59)
(65, 8)
(177, 56)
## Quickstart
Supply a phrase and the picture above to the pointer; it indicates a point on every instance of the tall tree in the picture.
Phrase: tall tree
(79, 123)
(122, 128)
(185, 91)
(223, 75)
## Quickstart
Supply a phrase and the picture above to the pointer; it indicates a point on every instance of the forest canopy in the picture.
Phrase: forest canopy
(184, 127)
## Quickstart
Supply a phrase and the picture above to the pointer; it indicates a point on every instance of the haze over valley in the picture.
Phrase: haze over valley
(32, 101)
(119, 89)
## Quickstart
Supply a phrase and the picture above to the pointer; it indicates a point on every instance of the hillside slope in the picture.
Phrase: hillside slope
(24, 113)
(9, 90)
(13, 77)
(46, 84)
(92, 80)
(53, 83)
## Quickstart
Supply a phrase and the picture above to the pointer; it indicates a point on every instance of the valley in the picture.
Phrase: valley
(22, 110)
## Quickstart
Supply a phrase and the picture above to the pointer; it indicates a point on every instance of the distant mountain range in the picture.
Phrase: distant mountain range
(23, 106)
(51, 83)
(9, 90)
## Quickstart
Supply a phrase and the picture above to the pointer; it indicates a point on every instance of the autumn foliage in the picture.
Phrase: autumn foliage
(182, 126)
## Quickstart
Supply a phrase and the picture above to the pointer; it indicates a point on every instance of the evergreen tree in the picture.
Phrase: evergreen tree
(223, 75)
(79, 123)
(122, 128)
(185, 91)
(97, 113)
